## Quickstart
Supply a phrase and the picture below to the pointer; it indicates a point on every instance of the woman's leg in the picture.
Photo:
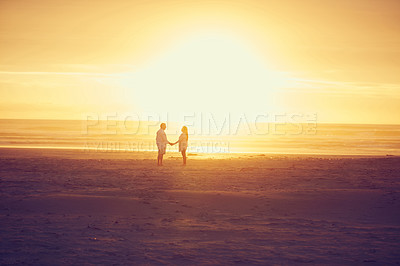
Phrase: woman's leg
(184, 156)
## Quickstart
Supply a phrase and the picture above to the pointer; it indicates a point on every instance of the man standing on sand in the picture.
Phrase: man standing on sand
(162, 142)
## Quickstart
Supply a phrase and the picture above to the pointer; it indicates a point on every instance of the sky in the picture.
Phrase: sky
(337, 59)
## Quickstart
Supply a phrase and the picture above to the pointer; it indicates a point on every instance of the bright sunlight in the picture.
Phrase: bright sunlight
(219, 72)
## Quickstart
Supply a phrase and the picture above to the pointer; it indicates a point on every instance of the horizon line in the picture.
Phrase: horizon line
(332, 123)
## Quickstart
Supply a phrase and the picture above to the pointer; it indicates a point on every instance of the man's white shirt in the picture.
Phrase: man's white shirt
(161, 137)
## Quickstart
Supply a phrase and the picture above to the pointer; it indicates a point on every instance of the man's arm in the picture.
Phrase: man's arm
(165, 139)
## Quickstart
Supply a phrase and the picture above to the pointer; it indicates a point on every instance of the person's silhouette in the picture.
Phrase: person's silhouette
(183, 143)
(162, 142)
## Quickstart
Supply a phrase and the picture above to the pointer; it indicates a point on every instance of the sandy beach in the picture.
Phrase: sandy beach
(118, 208)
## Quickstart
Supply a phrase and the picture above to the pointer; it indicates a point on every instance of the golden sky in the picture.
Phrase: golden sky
(339, 59)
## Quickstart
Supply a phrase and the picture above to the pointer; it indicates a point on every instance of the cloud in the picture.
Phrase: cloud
(364, 89)
(35, 73)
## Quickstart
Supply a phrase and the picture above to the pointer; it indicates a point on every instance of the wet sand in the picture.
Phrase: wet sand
(76, 207)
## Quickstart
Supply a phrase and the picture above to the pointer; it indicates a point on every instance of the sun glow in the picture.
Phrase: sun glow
(334, 58)
(206, 73)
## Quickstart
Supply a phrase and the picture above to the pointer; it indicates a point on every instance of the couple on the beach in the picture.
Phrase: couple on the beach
(162, 142)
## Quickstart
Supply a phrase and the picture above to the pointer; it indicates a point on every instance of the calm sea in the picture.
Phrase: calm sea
(342, 139)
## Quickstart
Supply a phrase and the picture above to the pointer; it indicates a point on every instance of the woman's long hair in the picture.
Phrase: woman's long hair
(185, 131)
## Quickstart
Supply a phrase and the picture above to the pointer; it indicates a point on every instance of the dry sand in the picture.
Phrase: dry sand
(75, 207)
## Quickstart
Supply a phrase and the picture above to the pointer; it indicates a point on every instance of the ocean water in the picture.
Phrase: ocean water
(112, 136)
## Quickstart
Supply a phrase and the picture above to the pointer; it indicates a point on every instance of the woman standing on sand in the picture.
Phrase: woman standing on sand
(183, 143)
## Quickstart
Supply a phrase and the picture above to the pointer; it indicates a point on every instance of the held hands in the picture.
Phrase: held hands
(172, 144)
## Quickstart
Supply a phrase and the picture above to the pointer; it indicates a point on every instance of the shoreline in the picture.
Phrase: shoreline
(197, 154)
